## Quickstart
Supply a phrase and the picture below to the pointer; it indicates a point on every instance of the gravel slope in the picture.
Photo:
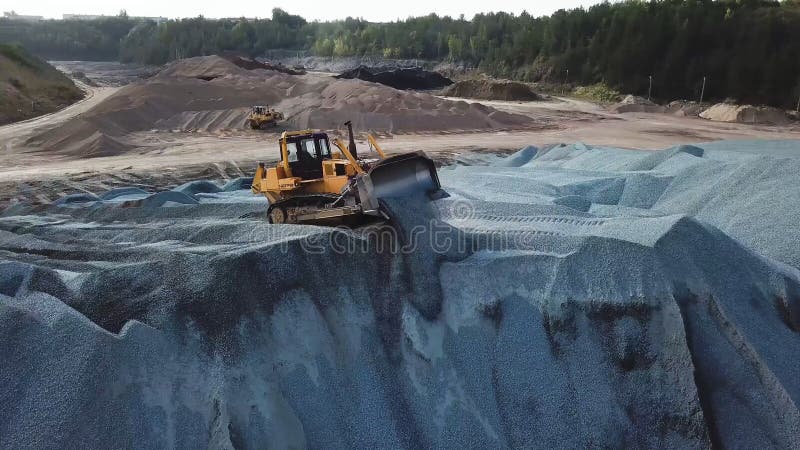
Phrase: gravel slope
(567, 296)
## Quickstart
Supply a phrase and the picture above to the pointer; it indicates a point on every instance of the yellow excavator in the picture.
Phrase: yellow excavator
(262, 116)
(315, 183)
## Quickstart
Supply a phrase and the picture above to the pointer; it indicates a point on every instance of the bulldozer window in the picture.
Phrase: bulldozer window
(291, 151)
(304, 159)
(324, 148)
(308, 148)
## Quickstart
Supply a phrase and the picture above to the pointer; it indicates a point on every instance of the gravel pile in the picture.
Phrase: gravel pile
(568, 296)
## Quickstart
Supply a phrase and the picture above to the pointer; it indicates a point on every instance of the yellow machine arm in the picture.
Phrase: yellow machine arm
(375, 145)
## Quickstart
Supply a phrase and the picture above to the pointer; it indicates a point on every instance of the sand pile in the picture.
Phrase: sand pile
(374, 107)
(399, 78)
(491, 89)
(727, 112)
(663, 312)
(211, 94)
(635, 104)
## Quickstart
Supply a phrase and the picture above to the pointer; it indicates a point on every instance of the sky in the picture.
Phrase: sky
(372, 10)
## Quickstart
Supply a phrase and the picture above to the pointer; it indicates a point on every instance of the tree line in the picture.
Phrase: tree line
(745, 49)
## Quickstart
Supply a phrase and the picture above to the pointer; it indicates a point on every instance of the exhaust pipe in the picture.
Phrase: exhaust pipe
(351, 146)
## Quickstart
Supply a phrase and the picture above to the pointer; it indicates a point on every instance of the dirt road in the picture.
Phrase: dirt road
(572, 120)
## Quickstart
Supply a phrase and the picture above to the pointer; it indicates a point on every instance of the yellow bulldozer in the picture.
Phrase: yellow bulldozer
(262, 116)
(315, 183)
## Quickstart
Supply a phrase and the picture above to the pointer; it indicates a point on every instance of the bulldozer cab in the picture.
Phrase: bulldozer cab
(305, 154)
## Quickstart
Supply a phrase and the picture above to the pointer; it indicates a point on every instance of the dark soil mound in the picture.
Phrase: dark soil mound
(252, 64)
(407, 78)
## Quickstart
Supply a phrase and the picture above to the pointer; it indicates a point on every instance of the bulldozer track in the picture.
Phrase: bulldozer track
(534, 219)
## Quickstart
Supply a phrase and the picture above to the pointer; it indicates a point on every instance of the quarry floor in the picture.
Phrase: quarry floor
(168, 158)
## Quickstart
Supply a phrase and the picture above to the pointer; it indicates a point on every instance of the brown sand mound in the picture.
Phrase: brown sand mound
(220, 119)
(727, 112)
(213, 94)
(375, 107)
(491, 89)
(83, 141)
(635, 104)
(205, 67)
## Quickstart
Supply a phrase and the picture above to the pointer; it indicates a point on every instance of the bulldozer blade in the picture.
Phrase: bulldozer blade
(399, 176)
